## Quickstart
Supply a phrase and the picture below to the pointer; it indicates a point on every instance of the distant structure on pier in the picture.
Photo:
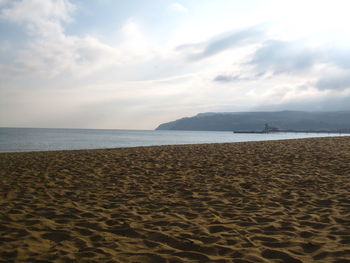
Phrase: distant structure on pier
(268, 128)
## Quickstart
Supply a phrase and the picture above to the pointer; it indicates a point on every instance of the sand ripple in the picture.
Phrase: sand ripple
(278, 201)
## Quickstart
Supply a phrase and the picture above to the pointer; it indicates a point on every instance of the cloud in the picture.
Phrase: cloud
(3, 2)
(284, 57)
(177, 7)
(327, 102)
(50, 51)
(273, 57)
(225, 78)
(296, 56)
(339, 57)
(66, 54)
(36, 12)
(198, 51)
(335, 82)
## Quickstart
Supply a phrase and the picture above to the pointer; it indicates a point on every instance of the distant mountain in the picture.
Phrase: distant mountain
(286, 120)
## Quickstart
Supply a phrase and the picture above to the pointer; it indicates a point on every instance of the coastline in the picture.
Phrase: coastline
(261, 201)
(28, 140)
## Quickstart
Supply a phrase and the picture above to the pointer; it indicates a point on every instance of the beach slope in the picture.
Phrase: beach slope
(272, 201)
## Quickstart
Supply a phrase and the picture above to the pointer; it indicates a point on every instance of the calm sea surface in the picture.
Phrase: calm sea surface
(33, 139)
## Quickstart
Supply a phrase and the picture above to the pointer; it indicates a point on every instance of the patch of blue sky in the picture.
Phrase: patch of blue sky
(14, 37)
(105, 17)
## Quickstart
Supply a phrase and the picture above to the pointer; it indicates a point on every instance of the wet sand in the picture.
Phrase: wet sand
(276, 201)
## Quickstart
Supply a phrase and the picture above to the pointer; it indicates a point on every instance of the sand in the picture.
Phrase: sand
(276, 201)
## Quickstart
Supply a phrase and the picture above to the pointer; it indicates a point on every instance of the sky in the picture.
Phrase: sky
(116, 64)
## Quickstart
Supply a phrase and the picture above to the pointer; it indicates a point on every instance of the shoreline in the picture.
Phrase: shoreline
(185, 144)
(256, 201)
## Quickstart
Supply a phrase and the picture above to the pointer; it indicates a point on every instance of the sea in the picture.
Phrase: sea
(47, 139)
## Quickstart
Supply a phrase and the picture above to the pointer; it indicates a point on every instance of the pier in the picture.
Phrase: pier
(270, 129)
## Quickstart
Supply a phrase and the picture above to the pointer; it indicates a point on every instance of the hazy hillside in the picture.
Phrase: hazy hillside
(298, 120)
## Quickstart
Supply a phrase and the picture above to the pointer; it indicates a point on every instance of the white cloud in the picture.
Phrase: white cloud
(51, 51)
(42, 18)
(177, 7)
(37, 11)
(336, 81)
(66, 54)
(3, 2)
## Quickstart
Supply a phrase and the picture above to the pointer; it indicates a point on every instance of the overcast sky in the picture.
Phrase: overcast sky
(135, 64)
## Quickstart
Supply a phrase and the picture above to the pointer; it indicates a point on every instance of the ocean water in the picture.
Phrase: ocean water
(37, 139)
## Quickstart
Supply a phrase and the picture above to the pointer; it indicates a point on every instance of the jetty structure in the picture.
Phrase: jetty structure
(267, 129)
(271, 129)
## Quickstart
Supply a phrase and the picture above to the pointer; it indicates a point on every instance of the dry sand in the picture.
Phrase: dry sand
(277, 201)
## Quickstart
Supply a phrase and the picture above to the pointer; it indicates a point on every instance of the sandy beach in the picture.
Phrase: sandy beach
(272, 201)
